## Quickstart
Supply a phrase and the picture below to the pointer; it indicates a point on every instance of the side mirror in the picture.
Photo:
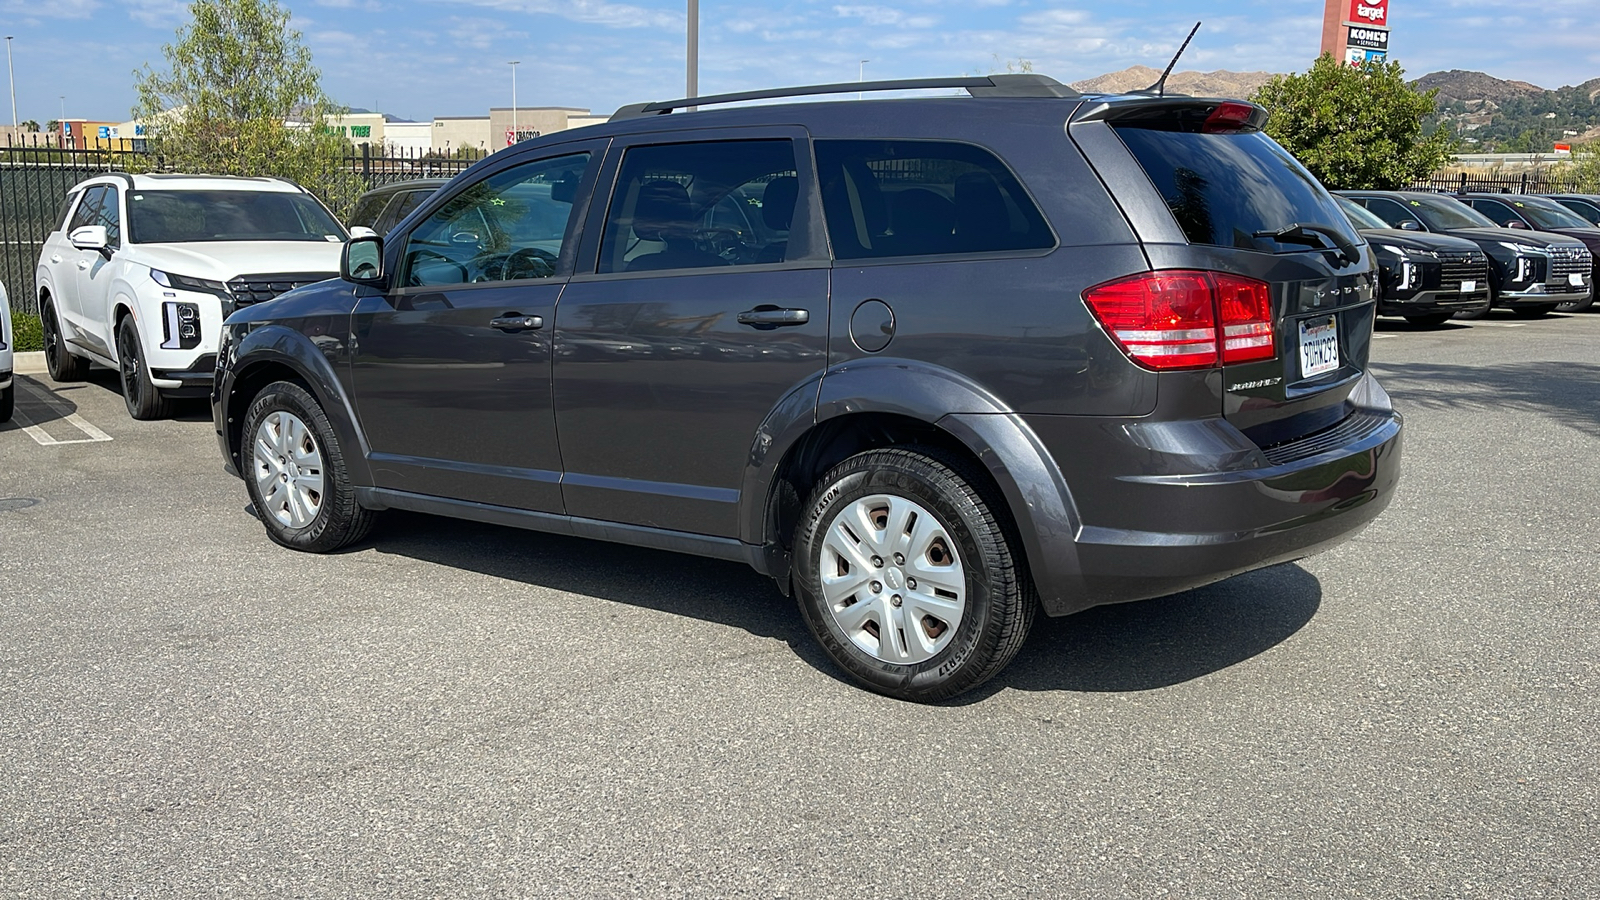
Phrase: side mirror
(1514, 223)
(89, 237)
(1410, 225)
(362, 231)
(361, 260)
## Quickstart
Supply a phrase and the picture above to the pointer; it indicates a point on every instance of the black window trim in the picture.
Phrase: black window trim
(1055, 237)
(813, 256)
(394, 251)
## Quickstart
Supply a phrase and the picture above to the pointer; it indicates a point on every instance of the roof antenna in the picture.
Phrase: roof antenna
(1160, 87)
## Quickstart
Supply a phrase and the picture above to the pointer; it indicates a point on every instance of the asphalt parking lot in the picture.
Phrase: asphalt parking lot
(454, 710)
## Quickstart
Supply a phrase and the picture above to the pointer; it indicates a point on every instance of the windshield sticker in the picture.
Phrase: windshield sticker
(334, 238)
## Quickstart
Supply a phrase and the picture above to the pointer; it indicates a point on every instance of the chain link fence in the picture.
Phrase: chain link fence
(35, 178)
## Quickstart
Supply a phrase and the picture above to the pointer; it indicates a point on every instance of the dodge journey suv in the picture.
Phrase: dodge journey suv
(932, 364)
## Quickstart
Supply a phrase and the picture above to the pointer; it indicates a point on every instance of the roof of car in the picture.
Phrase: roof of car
(187, 182)
(410, 184)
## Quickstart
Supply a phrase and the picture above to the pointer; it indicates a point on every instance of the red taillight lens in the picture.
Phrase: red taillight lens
(1186, 320)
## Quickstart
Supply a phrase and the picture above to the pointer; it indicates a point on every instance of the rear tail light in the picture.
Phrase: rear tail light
(1230, 117)
(1179, 319)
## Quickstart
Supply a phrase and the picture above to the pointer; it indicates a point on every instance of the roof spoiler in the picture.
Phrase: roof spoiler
(1020, 85)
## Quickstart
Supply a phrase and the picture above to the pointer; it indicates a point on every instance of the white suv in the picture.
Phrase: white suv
(144, 268)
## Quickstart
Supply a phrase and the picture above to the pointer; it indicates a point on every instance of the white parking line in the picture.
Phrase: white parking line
(92, 434)
(1499, 324)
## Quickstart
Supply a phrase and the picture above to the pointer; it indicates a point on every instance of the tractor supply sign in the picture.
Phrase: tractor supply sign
(1367, 38)
(1369, 12)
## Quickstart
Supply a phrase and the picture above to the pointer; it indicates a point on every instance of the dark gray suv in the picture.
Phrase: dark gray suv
(931, 364)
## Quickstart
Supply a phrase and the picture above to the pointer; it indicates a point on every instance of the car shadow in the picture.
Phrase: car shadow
(1402, 326)
(1568, 392)
(188, 410)
(35, 412)
(1127, 647)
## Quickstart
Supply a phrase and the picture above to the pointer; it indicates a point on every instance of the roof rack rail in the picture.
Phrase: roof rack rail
(1023, 85)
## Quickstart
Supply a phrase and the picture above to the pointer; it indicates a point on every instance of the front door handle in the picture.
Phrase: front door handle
(773, 317)
(55, 257)
(515, 322)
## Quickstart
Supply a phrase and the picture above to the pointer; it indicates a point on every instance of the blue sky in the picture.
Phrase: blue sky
(448, 57)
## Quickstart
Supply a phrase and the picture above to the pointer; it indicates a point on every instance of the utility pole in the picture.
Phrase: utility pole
(694, 49)
(12, 76)
(861, 75)
(514, 133)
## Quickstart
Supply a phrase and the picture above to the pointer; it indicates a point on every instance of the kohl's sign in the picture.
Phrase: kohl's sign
(1369, 12)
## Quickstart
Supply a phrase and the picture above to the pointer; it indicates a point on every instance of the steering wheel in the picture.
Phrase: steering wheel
(529, 262)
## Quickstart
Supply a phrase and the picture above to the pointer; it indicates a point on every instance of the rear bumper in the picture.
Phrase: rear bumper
(1164, 507)
(1303, 507)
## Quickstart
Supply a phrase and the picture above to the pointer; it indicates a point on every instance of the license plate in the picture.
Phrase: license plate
(1468, 287)
(1575, 279)
(1319, 346)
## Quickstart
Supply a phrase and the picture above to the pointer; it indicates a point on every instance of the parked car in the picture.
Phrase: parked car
(1425, 278)
(143, 269)
(1021, 349)
(1585, 205)
(1530, 272)
(381, 208)
(8, 390)
(1540, 214)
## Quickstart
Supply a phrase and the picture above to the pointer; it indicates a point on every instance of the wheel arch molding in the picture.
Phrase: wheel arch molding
(271, 353)
(876, 403)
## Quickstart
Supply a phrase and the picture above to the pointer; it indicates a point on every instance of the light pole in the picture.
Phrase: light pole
(694, 49)
(514, 134)
(861, 75)
(11, 75)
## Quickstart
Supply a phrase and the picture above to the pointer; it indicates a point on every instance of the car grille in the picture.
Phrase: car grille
(1566, 261)
(1455, 268)
(249, 289)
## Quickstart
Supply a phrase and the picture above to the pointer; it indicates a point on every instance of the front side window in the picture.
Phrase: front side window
(509, 226)
(1499, 212)
(1393, 214)
(1588, 211)
(701, 206)
(203, 216)
(66, 207)
(367, 209)
(88, 212)
(919, 198)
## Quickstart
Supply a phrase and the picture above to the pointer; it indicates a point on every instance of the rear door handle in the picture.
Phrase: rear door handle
(83, 264)
(773, 317)
(515, 322)
(55, 257)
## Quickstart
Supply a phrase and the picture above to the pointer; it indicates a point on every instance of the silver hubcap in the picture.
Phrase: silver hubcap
(892, 579)
(288, 470)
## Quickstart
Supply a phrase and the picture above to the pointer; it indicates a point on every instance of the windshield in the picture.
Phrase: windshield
(176, 217)
(1446, 214)
(1549, 214)
(1233, 190)
(1359, 215)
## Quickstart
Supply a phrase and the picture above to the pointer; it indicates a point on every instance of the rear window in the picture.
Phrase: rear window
(1232, 190)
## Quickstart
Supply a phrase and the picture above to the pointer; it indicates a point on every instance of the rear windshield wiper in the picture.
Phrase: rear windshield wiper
(1313, 236)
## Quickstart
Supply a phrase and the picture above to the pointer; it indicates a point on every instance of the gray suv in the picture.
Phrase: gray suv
(931, 364)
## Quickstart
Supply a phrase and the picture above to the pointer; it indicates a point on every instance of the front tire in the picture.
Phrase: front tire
(63, 366)
(294, 469)
(908, 577)
(143, 399)
(1534, 312)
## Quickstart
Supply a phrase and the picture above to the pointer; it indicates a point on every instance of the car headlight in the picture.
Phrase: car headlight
(189, 283)
(1408, 276)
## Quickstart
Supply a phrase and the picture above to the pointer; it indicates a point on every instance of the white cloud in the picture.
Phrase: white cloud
(594, 12)
(56, 9)
(885, 15)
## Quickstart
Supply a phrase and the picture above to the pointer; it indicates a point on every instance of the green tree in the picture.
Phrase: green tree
(30, 124)
(1584, 171)
(242, 97)
(1356, 126)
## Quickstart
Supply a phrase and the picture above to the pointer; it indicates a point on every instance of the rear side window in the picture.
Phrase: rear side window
(919, 198)
(1232, 190)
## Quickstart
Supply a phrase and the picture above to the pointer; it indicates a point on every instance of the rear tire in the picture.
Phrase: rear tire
(293, 467)
(8, 401)
(876, 524)
(1431, 320)
(143, 399)
(63, 366)
(1534, 312)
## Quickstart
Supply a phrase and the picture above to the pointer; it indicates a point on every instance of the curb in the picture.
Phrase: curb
(30, 363)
